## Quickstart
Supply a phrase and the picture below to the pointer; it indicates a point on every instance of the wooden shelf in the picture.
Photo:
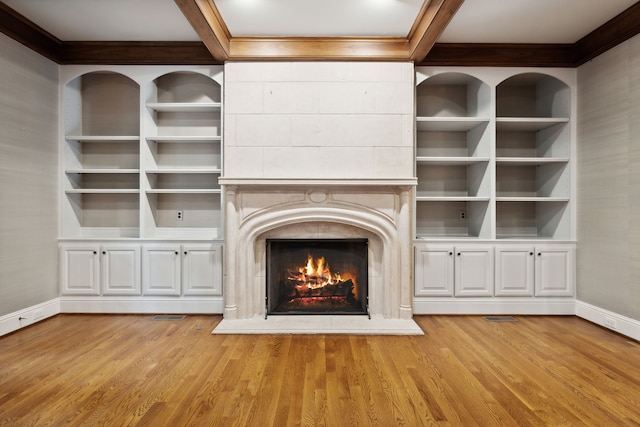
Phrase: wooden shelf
(528, 123)
(531, 199)
(102, 171)
(449, 124)
(102, 191)
(205, 139)
(185, 171)
(186, 107)
(453, 161)
(184, 191)
(103, 138)
(530, 161)
(423, 198)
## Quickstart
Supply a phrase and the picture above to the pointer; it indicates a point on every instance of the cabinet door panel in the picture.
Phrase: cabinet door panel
(161, 270)
(434, 271)
(554, 271)
(80, 270)
(202, 270)
(474, 271)
(514, 271)
(121, 270)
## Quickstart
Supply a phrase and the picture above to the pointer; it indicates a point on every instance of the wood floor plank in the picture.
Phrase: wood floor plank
(105, 370)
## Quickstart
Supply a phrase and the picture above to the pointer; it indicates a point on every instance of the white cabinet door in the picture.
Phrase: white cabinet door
(554, 271)
(161, 270)
(120, 269)
(474, 270)
(202, 269)
(514, 270)
(80, 269)
(434, 271)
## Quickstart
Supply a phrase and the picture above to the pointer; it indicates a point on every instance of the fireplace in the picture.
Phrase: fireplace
(316, 276)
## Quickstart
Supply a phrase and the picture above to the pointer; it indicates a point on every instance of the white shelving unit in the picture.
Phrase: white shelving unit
(494, 153)
(101, 149)
(141, 154)
(453, 148)
(533, 148)
(183, 157)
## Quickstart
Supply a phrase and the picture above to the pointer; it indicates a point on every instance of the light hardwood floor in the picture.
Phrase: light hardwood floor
(122, 370)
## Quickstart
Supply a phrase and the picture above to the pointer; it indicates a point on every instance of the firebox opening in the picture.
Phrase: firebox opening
(317, 276)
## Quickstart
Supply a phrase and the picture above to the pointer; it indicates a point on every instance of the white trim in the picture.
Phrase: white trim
(522, 306)
(608, 319)
(156, 305)
(28, 316)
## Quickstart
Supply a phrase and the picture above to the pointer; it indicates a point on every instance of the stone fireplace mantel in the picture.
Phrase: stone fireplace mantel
(376, 209)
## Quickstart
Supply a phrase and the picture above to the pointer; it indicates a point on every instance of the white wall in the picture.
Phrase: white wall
(28, 177)
(608, 257)
(318, 120)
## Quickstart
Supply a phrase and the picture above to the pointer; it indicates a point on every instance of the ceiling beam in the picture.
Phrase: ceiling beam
(429, 25)
(205, 19)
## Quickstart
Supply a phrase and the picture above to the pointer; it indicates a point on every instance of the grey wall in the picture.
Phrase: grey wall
(608, 259)
(28, 177)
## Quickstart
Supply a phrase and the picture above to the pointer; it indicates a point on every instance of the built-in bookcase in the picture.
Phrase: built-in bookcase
(493, 154)
(142, 153)
(101, 149)
(453, 152)
(183, 156)
(533, 149)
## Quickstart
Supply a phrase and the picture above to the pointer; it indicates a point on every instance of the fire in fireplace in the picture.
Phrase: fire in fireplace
(317, 276)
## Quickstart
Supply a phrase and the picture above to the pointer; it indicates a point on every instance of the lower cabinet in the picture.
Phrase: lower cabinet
(172, 269)
(448, 270)
(471, 270)
(94, 269)
(542, 270)
(158, 269)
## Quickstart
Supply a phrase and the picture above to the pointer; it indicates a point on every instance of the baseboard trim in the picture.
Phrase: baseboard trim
(541, 306)
(608, 319)
(28, 316)
(154, 305)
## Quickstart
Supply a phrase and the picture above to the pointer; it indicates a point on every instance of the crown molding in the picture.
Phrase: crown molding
(608, 35)
(500, 55)
(136, 53)
(29, 34)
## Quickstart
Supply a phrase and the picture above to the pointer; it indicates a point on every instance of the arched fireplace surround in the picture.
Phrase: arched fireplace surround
(378, 210)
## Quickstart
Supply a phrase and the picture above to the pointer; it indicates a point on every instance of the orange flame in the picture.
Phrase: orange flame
(316, 274)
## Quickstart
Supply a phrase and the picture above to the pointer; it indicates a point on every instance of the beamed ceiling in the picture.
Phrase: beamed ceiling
(421, 44)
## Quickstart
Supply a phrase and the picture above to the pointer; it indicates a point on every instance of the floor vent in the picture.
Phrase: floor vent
(500, 319)
(168, 317)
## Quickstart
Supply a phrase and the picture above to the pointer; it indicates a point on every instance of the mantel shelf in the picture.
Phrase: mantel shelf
(306, 182)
